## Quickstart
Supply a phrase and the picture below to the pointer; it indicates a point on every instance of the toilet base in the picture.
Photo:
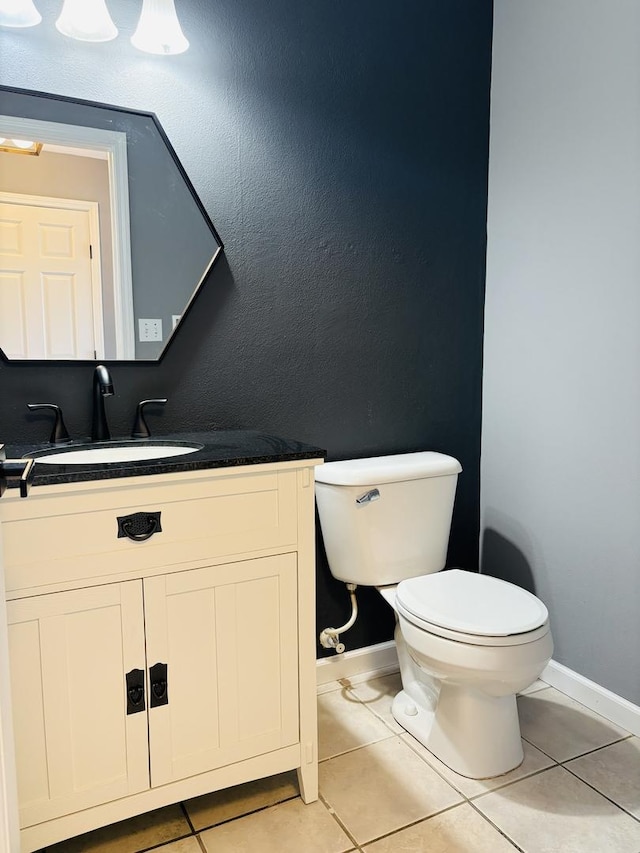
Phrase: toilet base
(474, 734)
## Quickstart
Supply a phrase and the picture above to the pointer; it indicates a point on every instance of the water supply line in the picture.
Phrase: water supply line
(330, 637)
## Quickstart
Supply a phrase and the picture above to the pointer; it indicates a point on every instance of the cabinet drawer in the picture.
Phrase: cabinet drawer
(71, 536)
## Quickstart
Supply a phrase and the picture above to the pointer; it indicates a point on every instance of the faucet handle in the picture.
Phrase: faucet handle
(59, 434)
(140, 428)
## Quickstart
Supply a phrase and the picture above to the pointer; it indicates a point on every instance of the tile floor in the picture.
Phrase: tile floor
(577, 791)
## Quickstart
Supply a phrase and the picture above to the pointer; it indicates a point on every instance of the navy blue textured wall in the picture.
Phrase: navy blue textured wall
(341, 151)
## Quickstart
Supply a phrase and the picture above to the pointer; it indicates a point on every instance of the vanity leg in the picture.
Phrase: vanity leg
(308, 782)
(308, 695)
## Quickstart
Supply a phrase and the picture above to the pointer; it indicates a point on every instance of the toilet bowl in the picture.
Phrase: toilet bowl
(475, 641)
(466, 642)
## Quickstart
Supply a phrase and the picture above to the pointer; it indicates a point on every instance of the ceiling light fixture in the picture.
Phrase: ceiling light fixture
(20, 146)
(19, 13)
(159, 30)
(86, 20)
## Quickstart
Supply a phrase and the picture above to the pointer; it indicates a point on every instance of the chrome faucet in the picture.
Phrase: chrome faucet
(102, 387)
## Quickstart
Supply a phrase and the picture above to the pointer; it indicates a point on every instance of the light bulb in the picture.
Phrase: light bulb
(22, 143)
(86, 20)
(19, 13)
(159, 30)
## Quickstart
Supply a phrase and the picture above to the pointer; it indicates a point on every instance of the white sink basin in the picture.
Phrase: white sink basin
(117, 453)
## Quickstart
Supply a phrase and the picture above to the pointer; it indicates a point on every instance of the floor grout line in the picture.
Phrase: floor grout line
(251, 811)
(563, 761)
(496, 827)
(164, 843)
(201, 843)
(356, 748)
(602, 794)
(420, 820)
(435, 769)
(531, 775)
(597, 749)
(185, 812)
(340, 823)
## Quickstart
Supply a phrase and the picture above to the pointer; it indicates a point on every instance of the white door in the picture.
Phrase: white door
(48, 303)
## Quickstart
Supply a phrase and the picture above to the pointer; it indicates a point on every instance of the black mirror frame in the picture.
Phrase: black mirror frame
(187, 181)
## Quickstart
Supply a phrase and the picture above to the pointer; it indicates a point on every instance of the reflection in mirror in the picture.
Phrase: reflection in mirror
(103, 240)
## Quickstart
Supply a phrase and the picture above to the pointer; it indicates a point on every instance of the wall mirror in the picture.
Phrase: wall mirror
(103, 240)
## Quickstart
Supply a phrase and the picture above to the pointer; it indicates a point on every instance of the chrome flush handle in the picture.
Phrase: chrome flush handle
(371, 495)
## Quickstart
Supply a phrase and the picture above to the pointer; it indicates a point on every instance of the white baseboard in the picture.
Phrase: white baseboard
(620, 711)
(368, 662)
(382, 659)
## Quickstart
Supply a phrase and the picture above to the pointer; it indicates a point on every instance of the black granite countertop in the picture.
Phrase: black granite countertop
(219, 449)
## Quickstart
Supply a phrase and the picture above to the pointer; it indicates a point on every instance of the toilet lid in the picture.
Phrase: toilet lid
(470, 603)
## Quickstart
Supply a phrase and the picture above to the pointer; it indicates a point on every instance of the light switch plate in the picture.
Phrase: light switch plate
(150, 330)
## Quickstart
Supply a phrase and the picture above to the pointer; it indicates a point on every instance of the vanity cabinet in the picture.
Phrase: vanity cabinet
(147, 672)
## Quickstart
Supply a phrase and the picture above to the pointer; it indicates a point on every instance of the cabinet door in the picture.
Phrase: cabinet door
(75, 744)
(228, 635)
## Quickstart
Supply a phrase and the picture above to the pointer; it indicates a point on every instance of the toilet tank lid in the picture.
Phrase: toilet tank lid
(387, 469)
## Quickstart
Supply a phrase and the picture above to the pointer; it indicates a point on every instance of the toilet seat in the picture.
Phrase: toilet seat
(472, 608)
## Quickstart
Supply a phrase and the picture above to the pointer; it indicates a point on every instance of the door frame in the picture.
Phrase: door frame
(114, 144)
(92, 209)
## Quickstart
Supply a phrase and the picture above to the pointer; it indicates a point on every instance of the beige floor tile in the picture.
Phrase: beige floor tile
(534, 761)
(459, 830)
(130, 836)
(289, 827)
(378, 695)
(220, 806)
(562, 727)
(534, 688)
(554, 812)
(360, 677)
(383, 787)
(187, 845)
(344, 723)
(329, 687)
(615, 772)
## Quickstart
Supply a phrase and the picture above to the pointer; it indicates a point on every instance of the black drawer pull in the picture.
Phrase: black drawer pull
(135, 691)
(159, 694)
(139, 526)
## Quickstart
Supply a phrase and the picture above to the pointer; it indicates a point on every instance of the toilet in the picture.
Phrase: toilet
(466, 642)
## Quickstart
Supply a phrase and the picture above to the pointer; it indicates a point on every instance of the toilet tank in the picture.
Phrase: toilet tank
(386, 518)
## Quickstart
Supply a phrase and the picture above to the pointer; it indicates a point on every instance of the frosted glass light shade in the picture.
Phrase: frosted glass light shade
(159, 30)
(19, 13)
(86, 20)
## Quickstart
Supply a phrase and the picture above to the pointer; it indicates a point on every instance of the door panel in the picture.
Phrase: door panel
(46, 274)
(229, 637)
(69, 654)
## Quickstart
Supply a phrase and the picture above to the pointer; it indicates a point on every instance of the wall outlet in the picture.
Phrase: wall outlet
(150, 330)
